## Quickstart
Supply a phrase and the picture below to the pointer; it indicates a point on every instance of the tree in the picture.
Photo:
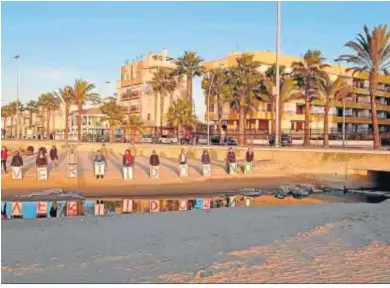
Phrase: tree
(81, 94)
(163, 84)
(216, 82)
(371, 54)
(133, 124)
(14, 109)
(113, 114)
(32, 106)
(189, 65)
(332, 90)
(308, 75)
(66, 94)
(49, 102)
(244, 82)
(268, 87)
(5, 113)
(180, 114)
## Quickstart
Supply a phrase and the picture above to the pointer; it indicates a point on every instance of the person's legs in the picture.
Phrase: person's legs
(4, 164)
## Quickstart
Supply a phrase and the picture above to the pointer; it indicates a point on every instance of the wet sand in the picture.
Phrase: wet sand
(330, 243)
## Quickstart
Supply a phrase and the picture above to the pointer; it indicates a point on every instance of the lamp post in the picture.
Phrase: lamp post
(208, 109)
(277, 100)
(16, 57)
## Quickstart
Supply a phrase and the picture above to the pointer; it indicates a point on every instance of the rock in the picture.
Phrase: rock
(284, 190)
(307, 187)
(298, 192)
(280, 196)
(325, 188)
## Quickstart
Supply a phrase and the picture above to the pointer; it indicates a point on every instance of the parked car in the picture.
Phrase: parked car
(146, 139)
(286, 140)
(216, 140)
(167, 139)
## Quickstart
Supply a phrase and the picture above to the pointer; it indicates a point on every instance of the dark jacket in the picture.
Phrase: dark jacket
(154, 160)
(17, 161)
(127, 163)
(205, 159)
(53, 154)
(41, 161)
(231, 157)
(103, 158)
(249, 156)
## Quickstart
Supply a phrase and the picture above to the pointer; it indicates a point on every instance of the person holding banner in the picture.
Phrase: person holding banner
(54, 156)
(4, 212)
(248, 166)
(231, 161)
(154, 162)
(16, 166)
(41, 163)
(104, 152)
(4, 155)
(100, 164)
(206, 163)
(127, 164)
(183, 163)
(72, 164)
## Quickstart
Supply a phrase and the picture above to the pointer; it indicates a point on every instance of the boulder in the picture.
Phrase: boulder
(298, 192)
(307, 187)
(280, 196)
(284, 190)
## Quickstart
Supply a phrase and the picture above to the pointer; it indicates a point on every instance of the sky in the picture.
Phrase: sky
(61, 41)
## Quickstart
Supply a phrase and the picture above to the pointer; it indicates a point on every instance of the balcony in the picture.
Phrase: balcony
(367, 92)
(358, 120)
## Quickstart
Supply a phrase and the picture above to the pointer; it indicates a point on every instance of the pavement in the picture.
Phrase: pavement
(323, 243)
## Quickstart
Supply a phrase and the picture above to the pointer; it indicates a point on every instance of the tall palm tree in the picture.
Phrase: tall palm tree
(216, 83)
(82, 93)
(66, 94)
(309, 73)
(49, 103)
(190, 65)
(371, 54)
(332, 90)
(114, 115)
(268, 86)
(180, 114)
(244, 81)
(133, 124)
(163, 84)
(32, 107)
(15, 107)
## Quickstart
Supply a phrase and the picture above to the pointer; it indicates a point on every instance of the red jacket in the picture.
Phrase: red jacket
(3, 154)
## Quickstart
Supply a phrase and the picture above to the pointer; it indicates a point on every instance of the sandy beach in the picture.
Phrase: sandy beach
(329, 243)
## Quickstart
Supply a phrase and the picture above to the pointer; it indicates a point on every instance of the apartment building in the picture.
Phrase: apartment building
(357, 107)
(135, 93)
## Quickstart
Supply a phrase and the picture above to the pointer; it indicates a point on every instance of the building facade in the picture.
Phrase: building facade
(357, 107)
(135, 93)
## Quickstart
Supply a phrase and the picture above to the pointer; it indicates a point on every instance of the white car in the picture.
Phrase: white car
(167, 139)
(146, 139)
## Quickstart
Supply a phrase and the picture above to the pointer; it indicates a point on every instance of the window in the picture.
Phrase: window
(84, 120)
(125, 77)
(300, 109)
(148, 117)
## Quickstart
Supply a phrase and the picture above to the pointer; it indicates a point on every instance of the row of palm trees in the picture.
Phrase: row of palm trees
(243, 86)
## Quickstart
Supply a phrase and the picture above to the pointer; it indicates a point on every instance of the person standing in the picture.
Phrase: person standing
(249, 160)
(182, 157)
(104, 152)
(41, 160)
(154, 162)
(99, 161)
(205, 158)
(4, 155)
(230, 159)
(54, 156)
(16, 165)
(127, 159)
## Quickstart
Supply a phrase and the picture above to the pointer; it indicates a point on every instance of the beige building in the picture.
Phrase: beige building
(357, 112)
(135, 93)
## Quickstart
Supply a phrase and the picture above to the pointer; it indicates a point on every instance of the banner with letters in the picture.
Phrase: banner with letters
(42, 173)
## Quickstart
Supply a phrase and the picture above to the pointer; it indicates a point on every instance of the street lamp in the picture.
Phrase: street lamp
(277, 100)
(208, 110)
(17, 94)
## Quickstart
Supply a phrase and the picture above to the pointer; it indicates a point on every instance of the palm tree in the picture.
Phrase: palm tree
(66, 94)
(268, 86)
(14, 108)
(244, 82)
(308, 74)
(32, 107)
(216, 82)
(113, 114)
(189, 65)
(81, 94)
(134, 124)
(180, 114)
(49, 102)
(332, 90)
(5, 113)
(371, 55)
(163, 84)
